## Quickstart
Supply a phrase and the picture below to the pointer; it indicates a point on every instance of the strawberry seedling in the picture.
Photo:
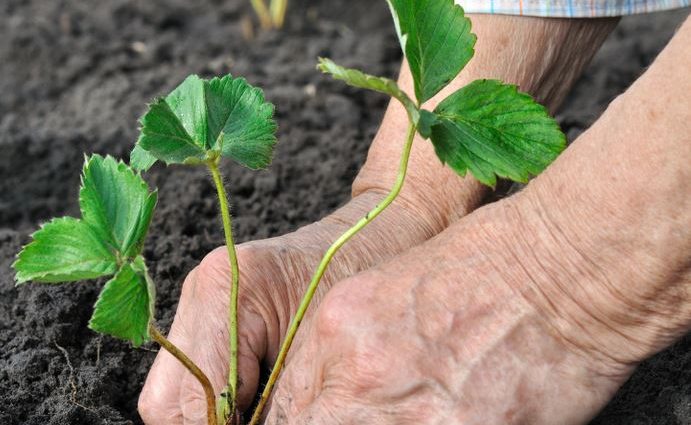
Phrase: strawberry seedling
(107, 241)
(198, 123)
(488, 127)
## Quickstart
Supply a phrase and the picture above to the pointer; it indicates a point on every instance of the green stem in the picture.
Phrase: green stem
(321, 269)
(157, 336)
(262, 12)
(234, 286)
(278, 12)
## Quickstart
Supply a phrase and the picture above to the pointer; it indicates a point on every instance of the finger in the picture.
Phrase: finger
(299, 384)
(202, 315)
(281, 404)
(159, 399)
(251, 349)
(171, 390)
(288, 397)
(192, 401)
(280, 408)
(211, 350)
(214, 362)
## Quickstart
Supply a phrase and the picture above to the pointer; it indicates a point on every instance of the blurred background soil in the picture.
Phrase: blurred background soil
(74, 77)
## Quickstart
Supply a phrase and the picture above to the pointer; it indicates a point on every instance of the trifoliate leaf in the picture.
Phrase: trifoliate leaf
(116, 203)
(124, 308)
(64, 250)
(492, 129)
(356, 78)
(436, 39)
(116, 210)
(201, 119)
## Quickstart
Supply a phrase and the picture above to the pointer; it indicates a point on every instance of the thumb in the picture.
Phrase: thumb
(214, 363)
(210, 349)
(251, 350)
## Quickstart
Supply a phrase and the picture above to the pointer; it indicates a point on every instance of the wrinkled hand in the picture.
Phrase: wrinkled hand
(532, 310)
(274, 273)
(171, 394)
(439, 336)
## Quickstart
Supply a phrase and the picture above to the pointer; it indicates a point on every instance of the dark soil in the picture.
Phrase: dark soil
(74, 77)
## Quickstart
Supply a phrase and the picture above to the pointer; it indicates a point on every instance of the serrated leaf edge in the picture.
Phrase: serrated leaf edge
(17, 258)
(219, 142)
(118, 256)
(560, 144)
(120, 167)
(138, 265)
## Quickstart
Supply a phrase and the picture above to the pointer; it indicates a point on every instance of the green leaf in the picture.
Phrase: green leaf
(64, 250)
(165, 138)
(140, 159)
(116, 203)
(436, 39)
(124, 308)
(356, 78)
(201, 118)
(116, 210)
(425, 123)
(240, 121)
(492, 129)
(187, 102)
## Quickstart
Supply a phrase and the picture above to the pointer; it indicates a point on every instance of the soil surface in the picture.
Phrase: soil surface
(75, 76)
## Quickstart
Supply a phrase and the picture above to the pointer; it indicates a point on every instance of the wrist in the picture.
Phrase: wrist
(607, 236)
(511, 49)
(431, 190)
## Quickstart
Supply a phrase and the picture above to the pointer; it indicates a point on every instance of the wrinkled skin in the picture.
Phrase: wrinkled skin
(532, 310)
(439, 336)
(267, 299)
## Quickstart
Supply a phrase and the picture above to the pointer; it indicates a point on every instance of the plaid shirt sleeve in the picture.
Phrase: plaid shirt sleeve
(569, 8)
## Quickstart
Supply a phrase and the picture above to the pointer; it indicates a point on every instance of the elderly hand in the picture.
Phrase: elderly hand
(274, 273)
(532, 310)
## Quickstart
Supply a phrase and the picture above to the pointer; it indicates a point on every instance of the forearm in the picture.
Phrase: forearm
(620, 200)
(543, 57)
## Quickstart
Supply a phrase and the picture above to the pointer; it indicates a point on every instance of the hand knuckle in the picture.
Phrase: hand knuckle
(333, 314)
(343, 305)
(346, 306)
(215, 263)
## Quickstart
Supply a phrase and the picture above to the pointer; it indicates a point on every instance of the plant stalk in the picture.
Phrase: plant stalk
(321, 269)
(234, 286)
(157, 336)
(278, 12)
(262, 13)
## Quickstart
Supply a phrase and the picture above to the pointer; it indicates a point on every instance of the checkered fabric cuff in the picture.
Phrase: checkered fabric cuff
(570, 8)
